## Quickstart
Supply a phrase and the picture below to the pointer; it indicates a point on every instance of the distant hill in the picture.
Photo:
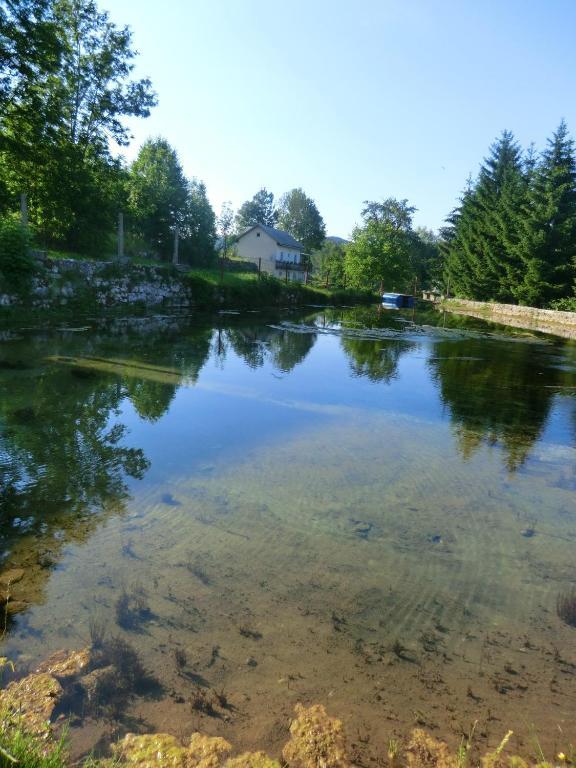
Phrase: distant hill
(337, 240)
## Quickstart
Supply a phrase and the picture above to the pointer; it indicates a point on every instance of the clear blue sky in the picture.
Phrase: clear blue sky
(350, 100)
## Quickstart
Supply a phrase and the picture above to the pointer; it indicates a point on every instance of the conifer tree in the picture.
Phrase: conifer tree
(476, 244)
(459, 278)
(546, 246)
(498, 184)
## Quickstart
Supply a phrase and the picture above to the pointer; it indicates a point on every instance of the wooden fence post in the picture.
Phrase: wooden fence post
(120, 236)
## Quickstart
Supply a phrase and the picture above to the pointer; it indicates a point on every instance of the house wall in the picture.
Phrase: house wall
(251, 248)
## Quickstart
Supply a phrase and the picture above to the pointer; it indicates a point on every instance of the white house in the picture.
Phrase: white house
(278, 253)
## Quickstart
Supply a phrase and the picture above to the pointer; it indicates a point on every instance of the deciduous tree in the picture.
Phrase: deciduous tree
(379, 254)
(299, 216)
(158, 194)
(259, 210)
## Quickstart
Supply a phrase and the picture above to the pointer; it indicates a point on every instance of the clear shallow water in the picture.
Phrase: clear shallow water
(327, 506)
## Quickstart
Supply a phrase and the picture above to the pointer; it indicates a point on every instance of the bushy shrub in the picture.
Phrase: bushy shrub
(565, 305)
(16, 264)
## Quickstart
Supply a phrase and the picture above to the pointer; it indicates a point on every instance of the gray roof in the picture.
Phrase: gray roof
(282, 238)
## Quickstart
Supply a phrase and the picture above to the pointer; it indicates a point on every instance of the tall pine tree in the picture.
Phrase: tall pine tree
(546, 245)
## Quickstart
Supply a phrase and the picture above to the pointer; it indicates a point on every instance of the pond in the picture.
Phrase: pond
(368, 509)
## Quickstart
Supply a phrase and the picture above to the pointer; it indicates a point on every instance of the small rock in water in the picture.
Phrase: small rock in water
(16, 606)
(12, 576)
(361, 528)
(168, 499)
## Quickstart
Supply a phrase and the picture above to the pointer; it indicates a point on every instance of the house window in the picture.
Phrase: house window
(257, 234)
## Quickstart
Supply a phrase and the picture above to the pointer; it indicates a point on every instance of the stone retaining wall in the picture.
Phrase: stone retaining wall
(64, 282)
(531, 318)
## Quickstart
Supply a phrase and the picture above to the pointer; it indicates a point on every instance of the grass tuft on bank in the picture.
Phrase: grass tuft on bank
(20, 749)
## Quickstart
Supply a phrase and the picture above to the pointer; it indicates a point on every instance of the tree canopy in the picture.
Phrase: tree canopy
(162, 199)
(512, 237)
(60, 103)
(259, 210)
(299, 216)
(379, 254)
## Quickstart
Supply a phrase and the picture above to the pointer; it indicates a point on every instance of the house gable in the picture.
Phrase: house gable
(272, 249)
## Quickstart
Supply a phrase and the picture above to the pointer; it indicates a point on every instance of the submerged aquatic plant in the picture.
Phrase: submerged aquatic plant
(566, 607)
(97, 627)
(203, 701)
(180, 658)
(132, 608)
(117, 675)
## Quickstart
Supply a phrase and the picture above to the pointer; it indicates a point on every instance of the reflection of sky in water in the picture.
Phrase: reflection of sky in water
(233, 405)
(384, 478)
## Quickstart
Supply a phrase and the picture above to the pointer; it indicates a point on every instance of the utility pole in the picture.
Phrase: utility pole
(120, 236)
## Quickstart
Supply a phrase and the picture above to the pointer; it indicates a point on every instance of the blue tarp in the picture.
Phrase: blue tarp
(399, 300)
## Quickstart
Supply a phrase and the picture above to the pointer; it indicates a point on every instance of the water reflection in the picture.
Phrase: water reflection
(64, 448)
(496, 394)
(296, 526)
(375, 359)
(283, 349)
(65, 457)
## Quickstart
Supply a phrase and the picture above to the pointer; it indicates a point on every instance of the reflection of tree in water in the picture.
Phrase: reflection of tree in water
(376, 359)
(151, 399)
(64, 464)
(179, 358)
(61, 455)
(284, 349)
(494, 394)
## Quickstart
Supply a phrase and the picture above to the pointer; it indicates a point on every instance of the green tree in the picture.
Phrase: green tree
(56, 128)
(457, 272)
(16, 264)
(158, 195)
(379, 254)
(425, 257)
(224, 224)
(259, 210)
(299, 216)
(546, 242)
(199, 227)
(513, 235)
(328, 263)
(29, 48)
(395, 212)
(497, 195)
(479, 261)
(95, 88)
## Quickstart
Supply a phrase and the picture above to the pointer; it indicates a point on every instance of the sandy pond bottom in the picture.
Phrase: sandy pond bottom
(361, 561)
